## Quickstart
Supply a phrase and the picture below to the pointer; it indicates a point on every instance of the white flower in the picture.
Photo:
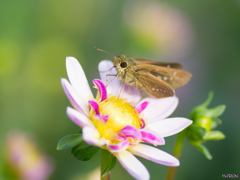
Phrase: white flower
(120, 125)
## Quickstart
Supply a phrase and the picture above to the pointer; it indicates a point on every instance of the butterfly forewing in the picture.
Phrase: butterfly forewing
(173, 77)
(169, 65)
(152, 85)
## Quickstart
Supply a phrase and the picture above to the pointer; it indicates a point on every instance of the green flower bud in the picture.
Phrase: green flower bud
(195, 133)
(204, 120)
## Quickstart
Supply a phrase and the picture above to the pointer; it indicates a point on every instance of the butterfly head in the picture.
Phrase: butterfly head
(120, 62)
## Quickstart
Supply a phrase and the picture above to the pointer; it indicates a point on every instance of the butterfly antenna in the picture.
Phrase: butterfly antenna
(102, 50)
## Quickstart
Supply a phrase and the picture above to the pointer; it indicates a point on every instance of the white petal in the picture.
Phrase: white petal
(159, 108)
(74, 97)
(113, 87)
(154, 154)
(170, 126)
(130, 93)
(133, 166)
(78, 118)
(91, 136)
(78, 79)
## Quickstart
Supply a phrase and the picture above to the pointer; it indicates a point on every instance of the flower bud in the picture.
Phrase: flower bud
(204, 120)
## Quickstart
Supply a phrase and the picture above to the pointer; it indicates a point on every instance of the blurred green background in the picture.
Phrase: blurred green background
(36, 37)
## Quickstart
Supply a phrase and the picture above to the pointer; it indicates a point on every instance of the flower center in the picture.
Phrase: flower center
(120, 114)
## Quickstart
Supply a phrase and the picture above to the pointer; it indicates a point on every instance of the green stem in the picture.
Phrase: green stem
(176, 153)
(104, 163)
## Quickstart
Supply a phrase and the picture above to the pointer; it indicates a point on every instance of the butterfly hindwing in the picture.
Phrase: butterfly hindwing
(152, 85)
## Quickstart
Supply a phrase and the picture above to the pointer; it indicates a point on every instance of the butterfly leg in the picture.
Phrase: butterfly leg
(124, 77)
(137, 90)
(121, 90)
(111, 80)
(106, 70)
(129, 89)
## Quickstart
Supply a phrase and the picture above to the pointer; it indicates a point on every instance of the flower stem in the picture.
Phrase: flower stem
(176, 153)
(104, 163)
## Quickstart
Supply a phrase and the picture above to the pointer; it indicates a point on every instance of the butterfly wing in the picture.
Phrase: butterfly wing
(168, 65)
(152, 85)
(173, 77)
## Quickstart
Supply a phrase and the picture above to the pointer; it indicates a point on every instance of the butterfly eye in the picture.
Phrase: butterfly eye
(123, 64)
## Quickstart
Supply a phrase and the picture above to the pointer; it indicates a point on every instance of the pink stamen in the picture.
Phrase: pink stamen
(119, 146)
(142, 125)
(141, 107)
(102, 89)
(152, 137)
(130, 131)
(103, 118)
(94, 105)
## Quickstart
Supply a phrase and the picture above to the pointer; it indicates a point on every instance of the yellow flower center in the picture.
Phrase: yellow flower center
(121, 113)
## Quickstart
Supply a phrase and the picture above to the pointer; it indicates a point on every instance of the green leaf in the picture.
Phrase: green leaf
(215, 122)
(87, 153)
(195, 133)
(74, 148)
(208, 101)
(214, 136)
(202, 106)
(69, 141)
(111, 163)
(203, 149)
(214, 112)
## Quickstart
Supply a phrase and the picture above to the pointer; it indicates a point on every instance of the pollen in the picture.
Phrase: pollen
(121, 114)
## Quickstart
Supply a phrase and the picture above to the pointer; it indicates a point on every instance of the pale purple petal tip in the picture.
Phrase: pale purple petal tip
(118, 147)
(141, 106)
(78, 118)
(133, 166)
(102, 89)
(94, 105)
(152, 137)
(73, 97)
(154, 154)
(130, 131)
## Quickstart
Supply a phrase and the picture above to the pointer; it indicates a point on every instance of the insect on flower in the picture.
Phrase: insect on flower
(125, 126)
(157, 79)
